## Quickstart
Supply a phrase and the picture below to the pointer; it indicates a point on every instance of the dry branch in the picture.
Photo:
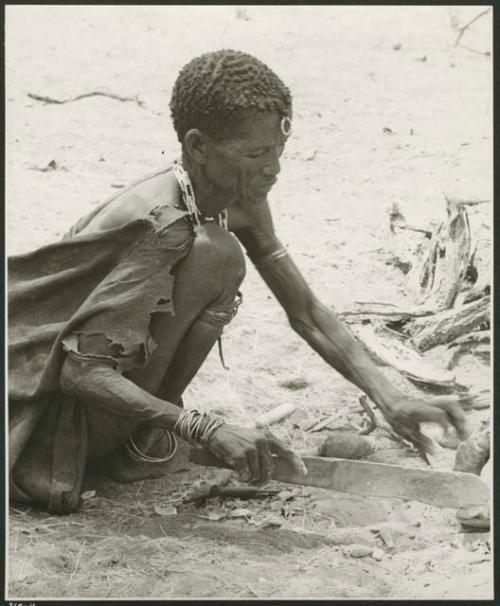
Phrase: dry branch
(426, 232)
(473, 338)
(442, 273)
(375, 314)
(398, 221)
(50, 100)
(389, 348)
(448, 325)
(445, 266)
(462, 30)
(481, 350)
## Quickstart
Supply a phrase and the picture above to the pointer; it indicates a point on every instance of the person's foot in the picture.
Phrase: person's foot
(122, 467)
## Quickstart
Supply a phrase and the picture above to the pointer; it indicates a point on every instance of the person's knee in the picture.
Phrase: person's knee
(218, 254)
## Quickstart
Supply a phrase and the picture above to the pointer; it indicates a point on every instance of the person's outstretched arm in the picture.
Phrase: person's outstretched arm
(319, 326)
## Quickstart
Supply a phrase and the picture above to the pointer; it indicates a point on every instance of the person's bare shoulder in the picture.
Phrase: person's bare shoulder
(136, 202)
(253, 225)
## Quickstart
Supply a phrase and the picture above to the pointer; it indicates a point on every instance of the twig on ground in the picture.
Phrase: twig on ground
(474, 50)
(427, 233)
(319, 425)
(462, 30)
(253, 592)
(383, 304)
(77, 563)
(353, 316)
(51, 100)
(316, 555)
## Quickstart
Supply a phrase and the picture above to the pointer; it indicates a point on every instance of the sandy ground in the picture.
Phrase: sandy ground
(386, 110)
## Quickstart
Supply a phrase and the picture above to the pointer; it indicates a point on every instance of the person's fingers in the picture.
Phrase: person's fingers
(454, 407)
(279, 448)
(420, 441)
(466, 400)
(456, 417)
(421, 412)
(449, 412)
(240, 465)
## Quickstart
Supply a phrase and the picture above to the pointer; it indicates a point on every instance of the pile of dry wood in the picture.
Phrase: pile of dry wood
(452, 307)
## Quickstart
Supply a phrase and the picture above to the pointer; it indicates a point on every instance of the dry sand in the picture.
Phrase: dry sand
(341, 173)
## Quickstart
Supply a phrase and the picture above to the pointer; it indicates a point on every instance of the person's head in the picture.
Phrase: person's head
(232, 116)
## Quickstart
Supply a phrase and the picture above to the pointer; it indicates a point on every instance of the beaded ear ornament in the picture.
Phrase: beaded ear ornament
(286, 126)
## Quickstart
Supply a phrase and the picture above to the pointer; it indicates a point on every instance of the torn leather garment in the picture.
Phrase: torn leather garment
(104, 283)
(110, 281)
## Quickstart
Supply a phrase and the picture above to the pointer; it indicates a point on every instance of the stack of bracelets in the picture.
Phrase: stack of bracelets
(192, 426)
(195, 427)
(138, 456)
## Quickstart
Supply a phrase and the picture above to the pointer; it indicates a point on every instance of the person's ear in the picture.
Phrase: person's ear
(195, 146)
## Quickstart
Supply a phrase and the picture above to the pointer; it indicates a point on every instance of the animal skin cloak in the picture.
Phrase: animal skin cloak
(107, 282)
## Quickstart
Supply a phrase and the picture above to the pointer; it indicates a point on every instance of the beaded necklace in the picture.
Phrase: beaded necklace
(189, 200)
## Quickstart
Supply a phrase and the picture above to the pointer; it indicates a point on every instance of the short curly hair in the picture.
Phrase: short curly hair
(216, 90)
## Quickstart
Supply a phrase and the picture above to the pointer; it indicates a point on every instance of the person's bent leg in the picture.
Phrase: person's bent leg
(205, 299)
(210, 274)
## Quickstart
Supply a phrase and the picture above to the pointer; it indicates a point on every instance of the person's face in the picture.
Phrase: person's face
(246, 167)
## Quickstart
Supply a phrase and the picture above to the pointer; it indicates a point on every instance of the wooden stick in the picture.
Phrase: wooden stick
(275, 415)
(447, 325)
(50, 100)
(462, 29)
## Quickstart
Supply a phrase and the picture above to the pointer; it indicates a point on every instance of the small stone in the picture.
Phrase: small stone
(378, 554)
(346, 445)
(352, 536)
(271, 522)
(88, 494)
(309, 155)
(240, 512)
(396, 46)
(287, 495)
(357, 551)
(165, 510)
(213, 516)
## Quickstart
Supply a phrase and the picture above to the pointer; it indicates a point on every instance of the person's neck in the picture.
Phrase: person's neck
(208, 198)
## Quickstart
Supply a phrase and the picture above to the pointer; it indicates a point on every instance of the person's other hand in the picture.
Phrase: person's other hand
(406, 413)
(249, 451)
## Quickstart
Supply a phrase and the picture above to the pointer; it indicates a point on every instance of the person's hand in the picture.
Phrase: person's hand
(405, 414)
(249, 452)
